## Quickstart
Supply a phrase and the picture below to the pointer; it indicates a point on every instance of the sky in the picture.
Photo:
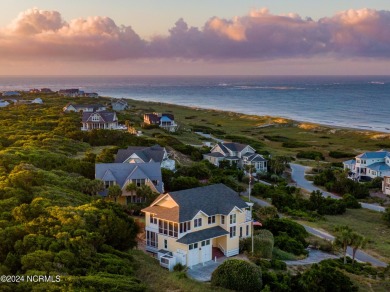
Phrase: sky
(203, 37)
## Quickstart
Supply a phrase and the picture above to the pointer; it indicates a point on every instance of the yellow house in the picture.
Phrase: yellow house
(196, 225)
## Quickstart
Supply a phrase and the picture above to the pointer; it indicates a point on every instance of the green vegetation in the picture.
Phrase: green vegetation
(336, 180)
(368, 223)
(237, 275)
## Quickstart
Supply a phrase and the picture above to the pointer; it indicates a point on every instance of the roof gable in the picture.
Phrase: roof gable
(212, 200)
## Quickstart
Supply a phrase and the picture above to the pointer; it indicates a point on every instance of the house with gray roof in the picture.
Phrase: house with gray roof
(236, 153)
(195, 225)
(100, 120)
(369, 165)
(140, 154)
(119, 105)
(71, 107)
(123, 174)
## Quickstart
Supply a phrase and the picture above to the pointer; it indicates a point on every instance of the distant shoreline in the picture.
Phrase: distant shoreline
(288, 119)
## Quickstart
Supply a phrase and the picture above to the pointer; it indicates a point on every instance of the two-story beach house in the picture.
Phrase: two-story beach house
(369, 165)
(164, 121)
(123, 174)
(193, 226)
(140, 154)
(240, 154)
(100, 120)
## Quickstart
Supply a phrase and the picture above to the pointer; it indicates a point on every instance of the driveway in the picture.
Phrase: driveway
(208, 136)
(202, 272)
(360, 256)
(298, 175)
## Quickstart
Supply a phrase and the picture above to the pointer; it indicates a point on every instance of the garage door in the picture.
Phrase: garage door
(206, 251)
(193, 254)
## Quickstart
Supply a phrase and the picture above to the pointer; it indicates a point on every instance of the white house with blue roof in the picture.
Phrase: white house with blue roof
(369, 165)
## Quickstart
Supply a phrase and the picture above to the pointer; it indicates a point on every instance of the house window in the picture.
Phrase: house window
(240, 232)
(153, 219)
(206, 242)
(167, 228)
(198, 222)
(232, 231)
(222, 219)
(95, 118)
(151, 239)
(138, 182)
(185, 226)
(165, 243)
(211, 219)
(247, 230)
(232, 218)
(108, 183)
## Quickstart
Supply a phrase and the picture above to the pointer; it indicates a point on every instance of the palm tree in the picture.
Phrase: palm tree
(357, 241)
(343, 239)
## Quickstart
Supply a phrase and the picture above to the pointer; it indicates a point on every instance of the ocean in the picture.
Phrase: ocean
(361, 102)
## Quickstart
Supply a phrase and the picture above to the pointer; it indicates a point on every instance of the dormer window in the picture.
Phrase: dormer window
(95, 118)
(108, 183)
(211, 219)
(198, 222)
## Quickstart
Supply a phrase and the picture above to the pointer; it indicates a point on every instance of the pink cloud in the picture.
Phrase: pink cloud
(259, 35)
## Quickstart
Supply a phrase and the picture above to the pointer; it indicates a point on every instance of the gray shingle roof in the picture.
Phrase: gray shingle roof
(155, 153)
(350, 162)
(256, 158)
(214, 154)
(232, 146)
(123, 171)
(108, 117)
(212, 200)
(203, 235)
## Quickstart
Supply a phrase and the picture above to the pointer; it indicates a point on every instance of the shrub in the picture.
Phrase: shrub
(286, 243)
(351, 202)
(310, 155)
(294, 144)
(238, 275)
(179, 267)
(291, 228)
(340, 154)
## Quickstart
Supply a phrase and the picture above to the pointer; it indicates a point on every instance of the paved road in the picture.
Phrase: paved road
(298, 175)
(360, 256)
(208, 136)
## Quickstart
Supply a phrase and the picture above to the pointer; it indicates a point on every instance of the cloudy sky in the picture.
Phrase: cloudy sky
(204, 37)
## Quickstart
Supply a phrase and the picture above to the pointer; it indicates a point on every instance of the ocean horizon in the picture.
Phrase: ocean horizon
(360, 102)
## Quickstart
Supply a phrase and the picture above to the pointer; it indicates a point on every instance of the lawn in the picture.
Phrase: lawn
(366, 222)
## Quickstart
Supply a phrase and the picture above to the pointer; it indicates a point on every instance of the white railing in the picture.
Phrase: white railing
(221, 248)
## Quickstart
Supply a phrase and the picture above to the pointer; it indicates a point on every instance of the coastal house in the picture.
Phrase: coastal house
(192, 226)
(386, 185)
(4, 103)
(34, 90)
(37, 100)
(368, 165)
(11, 93)
(70, 107)
(46, 90)
(100, 120)
(139, 154)
(164, 121)
(119, 105)
(123, 174)
(91, 94)
(239, 154)
(72, 92)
